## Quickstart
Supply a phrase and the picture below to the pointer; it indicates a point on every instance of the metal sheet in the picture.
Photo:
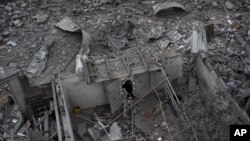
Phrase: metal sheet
(68, 25)
(158, 8)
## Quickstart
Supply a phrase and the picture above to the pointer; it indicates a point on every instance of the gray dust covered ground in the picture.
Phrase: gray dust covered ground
(28, 25)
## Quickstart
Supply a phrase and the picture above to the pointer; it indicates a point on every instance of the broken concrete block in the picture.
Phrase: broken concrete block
(39, 61)
(41, 18)
(17, 23)
(8, 8)
(174, 36)
(67, 24)
(163, 42)
(174, 69)
(156, 32)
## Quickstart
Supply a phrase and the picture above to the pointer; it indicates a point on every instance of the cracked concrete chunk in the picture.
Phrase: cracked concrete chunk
(39, 61)
(17, 23)
(41, 18)
(156, 32)
(68, 25)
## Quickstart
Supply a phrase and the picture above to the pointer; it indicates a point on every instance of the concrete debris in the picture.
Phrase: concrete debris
(229, 5)
(185, 72)
(117, 43)
(126, 30)
(96, 133)
(174, 36)
(39, 61)
(41, 18)
(167, 8)
(163, 43)
(68, 25)
(156, 32)
(8, 72)
(199, 38)
(115, 132)
(17, 23)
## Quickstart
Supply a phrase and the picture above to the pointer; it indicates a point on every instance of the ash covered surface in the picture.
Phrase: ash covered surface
(114, 25)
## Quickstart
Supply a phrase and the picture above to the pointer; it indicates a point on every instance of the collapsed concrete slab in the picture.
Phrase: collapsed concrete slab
(216, 88)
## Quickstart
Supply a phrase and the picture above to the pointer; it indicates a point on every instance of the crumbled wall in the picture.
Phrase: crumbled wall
(216, 90)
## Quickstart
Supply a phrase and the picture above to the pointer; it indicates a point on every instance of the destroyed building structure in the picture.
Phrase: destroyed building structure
(63, 64)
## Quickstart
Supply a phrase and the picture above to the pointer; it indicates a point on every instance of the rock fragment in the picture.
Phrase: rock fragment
(8, 8)
(229, 5)
(17, 23)
(41, 18)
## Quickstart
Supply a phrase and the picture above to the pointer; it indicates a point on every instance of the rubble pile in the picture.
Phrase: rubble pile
(43, 38)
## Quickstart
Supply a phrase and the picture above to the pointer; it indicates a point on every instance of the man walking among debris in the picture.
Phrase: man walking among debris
(128, 86)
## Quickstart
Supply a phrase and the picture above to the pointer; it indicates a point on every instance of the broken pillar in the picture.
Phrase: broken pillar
(11, 75)
(18, 91)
